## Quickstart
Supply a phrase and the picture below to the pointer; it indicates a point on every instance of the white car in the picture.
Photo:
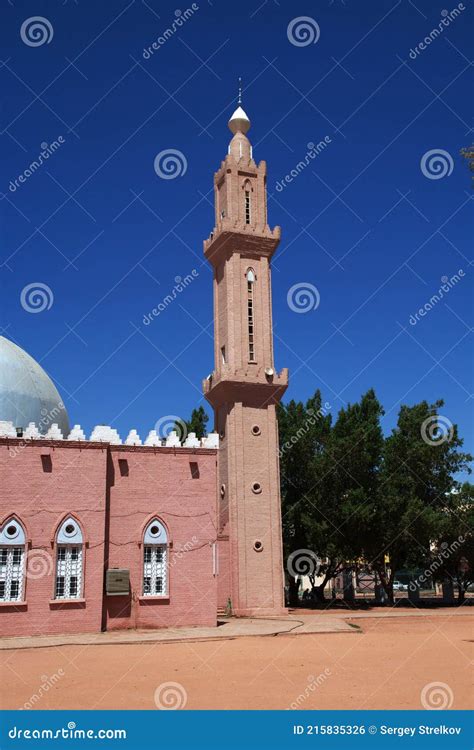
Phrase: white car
(398, 586)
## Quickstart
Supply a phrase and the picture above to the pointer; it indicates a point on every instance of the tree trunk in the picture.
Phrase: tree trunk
(293, 592)
(318, 592)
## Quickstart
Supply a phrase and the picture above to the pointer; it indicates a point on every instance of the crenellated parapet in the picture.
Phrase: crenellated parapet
(106, 434)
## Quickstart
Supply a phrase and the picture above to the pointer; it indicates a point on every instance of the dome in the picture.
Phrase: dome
(27, 394)
(239, 122)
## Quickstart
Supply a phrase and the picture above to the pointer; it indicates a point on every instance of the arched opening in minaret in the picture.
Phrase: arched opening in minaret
(250, 313)
(247, 207)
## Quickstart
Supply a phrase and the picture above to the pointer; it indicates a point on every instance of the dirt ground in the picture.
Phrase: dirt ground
(383, 663)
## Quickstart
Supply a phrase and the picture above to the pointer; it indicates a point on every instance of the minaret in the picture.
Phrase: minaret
(244, 387)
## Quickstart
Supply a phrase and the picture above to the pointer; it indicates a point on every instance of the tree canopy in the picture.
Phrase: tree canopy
(353, 496)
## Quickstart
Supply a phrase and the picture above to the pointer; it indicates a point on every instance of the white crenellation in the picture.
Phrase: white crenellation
(32, 432)
(54, 433)
(211, 441)
(104, 434)
(77, 433)
(133, 438)
(192, 441)
(153, 439)
(7, 429)
(172, 440)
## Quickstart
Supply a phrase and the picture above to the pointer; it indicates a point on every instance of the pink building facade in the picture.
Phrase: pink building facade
(111, 495)
(96, 534)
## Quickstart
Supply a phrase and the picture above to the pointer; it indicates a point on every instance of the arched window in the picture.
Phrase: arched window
(250, 312)
(12, 561)
(155, 560)
(69, 554)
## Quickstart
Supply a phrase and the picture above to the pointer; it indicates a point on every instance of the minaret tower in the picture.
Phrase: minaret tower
(244, 387)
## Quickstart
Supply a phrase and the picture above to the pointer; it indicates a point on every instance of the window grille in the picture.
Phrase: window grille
(68, 571)
(155, 578)
(11, 573)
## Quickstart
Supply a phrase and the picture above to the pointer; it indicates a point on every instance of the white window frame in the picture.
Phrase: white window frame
(68, 579)
(155, 560)
(12, 563)
(68, 571)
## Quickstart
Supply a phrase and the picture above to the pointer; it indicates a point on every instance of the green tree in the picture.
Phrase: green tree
(415, 490)
(452, 556)
(303, 432)
(197, 423)
(347, 488)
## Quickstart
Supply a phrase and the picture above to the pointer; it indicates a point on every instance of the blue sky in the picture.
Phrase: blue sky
(363, 223)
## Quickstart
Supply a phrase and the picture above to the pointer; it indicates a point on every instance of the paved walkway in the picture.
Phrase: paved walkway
(297, 623)
(227, 628)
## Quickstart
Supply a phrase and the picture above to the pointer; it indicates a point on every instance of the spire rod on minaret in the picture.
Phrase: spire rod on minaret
(239, 100)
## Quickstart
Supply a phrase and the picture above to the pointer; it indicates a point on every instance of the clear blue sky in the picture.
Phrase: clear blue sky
(362, 222)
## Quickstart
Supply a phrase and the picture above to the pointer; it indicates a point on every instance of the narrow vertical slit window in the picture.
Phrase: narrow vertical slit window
(247, 207)
(250, 314)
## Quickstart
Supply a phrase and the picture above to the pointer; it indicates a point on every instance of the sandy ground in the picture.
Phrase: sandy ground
(383, 665)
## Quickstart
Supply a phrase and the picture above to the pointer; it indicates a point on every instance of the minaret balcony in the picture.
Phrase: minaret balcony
(258, 387)
(234, 237)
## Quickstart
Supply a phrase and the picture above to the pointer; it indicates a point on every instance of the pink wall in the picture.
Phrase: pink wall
(160, 482)
(112, 491)
(41, 483)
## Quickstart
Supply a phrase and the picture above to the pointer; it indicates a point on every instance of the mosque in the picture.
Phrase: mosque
(99, 533)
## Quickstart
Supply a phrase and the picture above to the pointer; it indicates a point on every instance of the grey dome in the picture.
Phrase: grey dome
(27, 394)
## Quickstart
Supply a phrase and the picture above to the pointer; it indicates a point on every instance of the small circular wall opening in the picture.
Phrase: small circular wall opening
(256, 488)
(258, 545)
(256, 429)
